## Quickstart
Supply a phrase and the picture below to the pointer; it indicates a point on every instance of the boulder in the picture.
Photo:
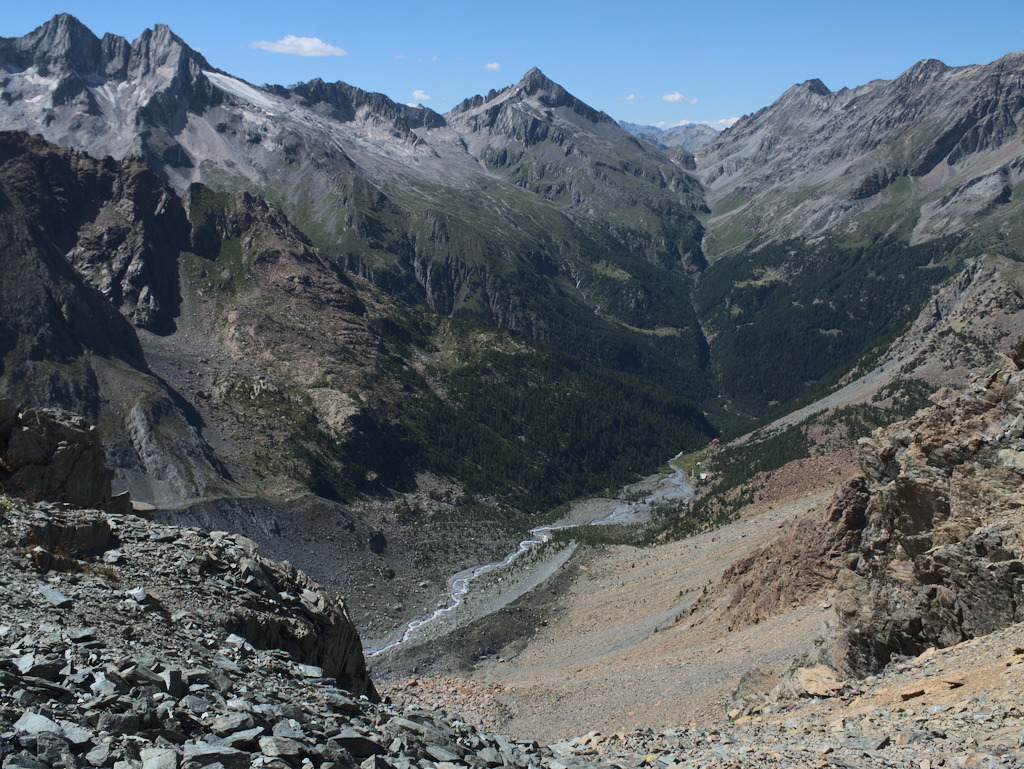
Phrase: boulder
(52, 455)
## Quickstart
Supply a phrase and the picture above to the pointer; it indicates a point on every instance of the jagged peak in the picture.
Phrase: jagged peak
(64, 45)
(61, 41)
(801, 91)
(157, 42)
(539, 87)
(65, 23)
(924, 70)
(817, 87)
(535, 80)
(346, 99)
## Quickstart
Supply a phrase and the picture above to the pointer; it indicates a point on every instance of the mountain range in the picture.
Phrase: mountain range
(932, 153)
(277, 291)
(690, 137)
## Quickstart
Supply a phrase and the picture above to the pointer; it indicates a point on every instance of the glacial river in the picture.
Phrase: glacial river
(666, 489)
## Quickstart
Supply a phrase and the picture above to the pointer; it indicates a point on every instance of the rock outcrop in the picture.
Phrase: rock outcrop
(924, 548)
(52, 455)
(210, 580)
(942, 554)
(799, 565)
(216, 582)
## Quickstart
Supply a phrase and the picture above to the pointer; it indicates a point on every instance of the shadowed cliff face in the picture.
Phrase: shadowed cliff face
(116, 223)
(81, 239)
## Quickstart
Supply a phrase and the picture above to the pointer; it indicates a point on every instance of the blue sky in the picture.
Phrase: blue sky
(656, 62)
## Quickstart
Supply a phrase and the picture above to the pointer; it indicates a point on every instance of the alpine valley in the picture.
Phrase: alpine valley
(383, 343)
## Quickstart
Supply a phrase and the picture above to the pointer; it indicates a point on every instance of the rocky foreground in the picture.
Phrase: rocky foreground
(126, 644)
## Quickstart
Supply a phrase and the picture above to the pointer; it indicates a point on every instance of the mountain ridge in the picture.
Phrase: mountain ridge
(817, 159)
(690, 137)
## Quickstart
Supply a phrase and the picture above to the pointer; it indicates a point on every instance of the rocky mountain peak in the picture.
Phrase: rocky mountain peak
(804, 90)
(815, 86)
(159, 47)
(858, 141)
(346, 103)
(61, 44)
(536, 85)
(535, 80)
(537, 89)
(64, 46)
(923, 71)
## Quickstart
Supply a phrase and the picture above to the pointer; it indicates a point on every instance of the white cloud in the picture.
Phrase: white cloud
(299, 46)
(724, 122)
(677, 98)
(630, 97)
(420, 95)
(493, 65)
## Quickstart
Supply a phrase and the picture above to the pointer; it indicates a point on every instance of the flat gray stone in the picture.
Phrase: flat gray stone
(33, 723)
(55, 597)
(245, 739)
(99, 755)
(81, 634)
(441, 754)
(490, 756)
(288, 729)
(309, 671)
(357, 744)
(206, 755)
(137, 594)
(280, 746)
(158, 758)
(78, 736)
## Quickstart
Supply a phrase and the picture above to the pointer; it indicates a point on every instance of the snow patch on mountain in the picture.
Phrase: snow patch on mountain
(242, 90)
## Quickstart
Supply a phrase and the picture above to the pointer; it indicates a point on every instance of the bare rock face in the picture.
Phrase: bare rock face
(118, 225)
(315, 629)
(925, 548)
(799, 565)
(942, 555)
(52, 455)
